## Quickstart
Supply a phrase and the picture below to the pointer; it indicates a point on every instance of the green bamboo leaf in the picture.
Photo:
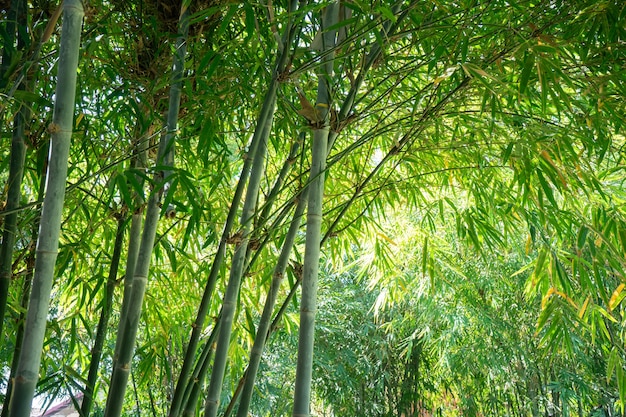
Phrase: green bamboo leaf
(168, 201)
(386, 12)
(30, 97)
(464, 47)
(547, 49)
(547, 189)
(506, 154)
(209, 63)
(226, 20)
(249, 19)
(620, 375)
(425, 256)
(543, 81)
(436, 55)
(560, 273)
(612, 363)
(529, 64)
(120, 181)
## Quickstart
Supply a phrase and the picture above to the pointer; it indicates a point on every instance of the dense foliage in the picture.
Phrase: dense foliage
(459, 164)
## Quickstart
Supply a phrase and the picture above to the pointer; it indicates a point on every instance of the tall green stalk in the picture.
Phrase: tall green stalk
(229, 304)
(27, 285)
(262, 130)
(121, 370)
(9, 53)
(268, 309)
(205, 303)
(308, 303)
(103, 322)
(192, 392)
(134, 240)
(48, 241)
(16, 172)
(19, 336)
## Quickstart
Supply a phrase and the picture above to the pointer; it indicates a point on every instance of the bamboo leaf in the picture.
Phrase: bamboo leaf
(529, 64)
(617, 296)
(547, 189)
(249, 19)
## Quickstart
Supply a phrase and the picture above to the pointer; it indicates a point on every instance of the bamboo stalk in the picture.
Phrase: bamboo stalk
(16, 169)
(48, 241)
(27, 285)
(229, 303)
(308, 303)
(8, 48)
(121, 370)
(271, 198)
(103, 322)
(192, 391)
(264, 324)
(205, 303)
(28, 279)
(262, 130)
(263, 329)
(134, 240)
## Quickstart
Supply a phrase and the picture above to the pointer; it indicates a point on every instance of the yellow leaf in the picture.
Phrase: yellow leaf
(308, 111)
(615, 298)
(545, 298)
(79, 119)
(529, 244)
(583, 309)
(388, 239)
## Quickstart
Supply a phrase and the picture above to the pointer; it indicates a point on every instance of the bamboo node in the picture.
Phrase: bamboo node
(170, 213)
(235, 239)
(298, 269)
(54, 128)
(254, 244)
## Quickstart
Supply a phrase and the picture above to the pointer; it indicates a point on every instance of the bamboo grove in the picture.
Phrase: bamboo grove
(206, 204)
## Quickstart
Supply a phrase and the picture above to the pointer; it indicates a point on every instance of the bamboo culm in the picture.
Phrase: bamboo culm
(27, 285)
(192, 392)
(229, 303)
(205, 302)
(268, 309)
(134, 241)
(16, 163)
(48, 240)
(121, 370)
(28, 279)
(308, 303)
(262, 123)
(103, 322)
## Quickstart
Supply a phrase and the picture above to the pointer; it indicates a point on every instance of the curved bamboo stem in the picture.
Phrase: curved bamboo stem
(229, 303)
(263, 329)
